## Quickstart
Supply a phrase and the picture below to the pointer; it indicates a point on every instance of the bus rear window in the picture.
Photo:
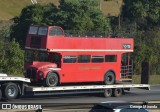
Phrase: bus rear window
(33, 30)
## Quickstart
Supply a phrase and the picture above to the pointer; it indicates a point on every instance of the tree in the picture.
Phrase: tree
(4, 38)
(146, 13)
(144, 17)
(81, 15)
(13, 59)
(153, 42)
(33, 14)
(2, 53)
(147, 49)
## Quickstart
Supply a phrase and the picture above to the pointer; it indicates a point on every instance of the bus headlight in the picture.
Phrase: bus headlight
(41, 74)
(24, 71)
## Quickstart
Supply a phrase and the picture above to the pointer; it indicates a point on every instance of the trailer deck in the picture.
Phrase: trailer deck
(12, 87)
(87, 87)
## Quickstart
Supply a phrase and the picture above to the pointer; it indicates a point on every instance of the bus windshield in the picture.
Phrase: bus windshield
(40, 30)
(33, 30)
(40, 56)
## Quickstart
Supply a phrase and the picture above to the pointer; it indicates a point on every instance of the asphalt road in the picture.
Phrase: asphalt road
(135, 95)
(85, 102)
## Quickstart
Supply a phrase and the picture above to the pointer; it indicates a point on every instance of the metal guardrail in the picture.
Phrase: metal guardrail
(95, 34)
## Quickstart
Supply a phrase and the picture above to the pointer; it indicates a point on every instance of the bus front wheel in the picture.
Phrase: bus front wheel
(51, 79)
(109, 78)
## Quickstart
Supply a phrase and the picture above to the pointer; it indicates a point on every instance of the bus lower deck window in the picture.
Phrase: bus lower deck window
(69, 59)
(97, 59)
(110, 58)
(84, 58)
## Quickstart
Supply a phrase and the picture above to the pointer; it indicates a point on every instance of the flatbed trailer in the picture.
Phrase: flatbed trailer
(14, 87)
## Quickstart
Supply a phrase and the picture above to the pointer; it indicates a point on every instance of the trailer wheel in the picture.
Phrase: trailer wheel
(10, 91)
(108, 92)
(51, 79)
(117, 92)
(109, 78)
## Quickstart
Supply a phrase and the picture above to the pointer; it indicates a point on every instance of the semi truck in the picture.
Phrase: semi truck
(54, 58)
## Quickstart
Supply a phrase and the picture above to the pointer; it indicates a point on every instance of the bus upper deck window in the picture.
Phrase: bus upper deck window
(55, 31)
(42, 31)
(33, 30)
(59, 31)
(52, 32)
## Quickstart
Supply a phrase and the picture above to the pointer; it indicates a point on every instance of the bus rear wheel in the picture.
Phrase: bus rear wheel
(51, 79)
(109, 78)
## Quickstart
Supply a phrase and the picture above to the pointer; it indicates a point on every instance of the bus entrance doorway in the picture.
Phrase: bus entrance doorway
(126, 67)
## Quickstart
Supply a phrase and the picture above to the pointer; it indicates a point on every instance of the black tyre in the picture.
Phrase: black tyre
(108, 92)
(109, 78)
(117, 92)
(51, 79)
(10, 91)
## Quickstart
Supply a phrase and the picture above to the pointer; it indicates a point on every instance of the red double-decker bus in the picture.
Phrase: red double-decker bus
(52, 57)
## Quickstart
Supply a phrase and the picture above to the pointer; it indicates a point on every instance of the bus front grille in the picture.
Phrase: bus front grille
(31, 73)
(35, 42)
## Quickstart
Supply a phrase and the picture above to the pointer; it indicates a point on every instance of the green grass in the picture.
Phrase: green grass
(11, 8)
(154, 79)
(112, 7)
